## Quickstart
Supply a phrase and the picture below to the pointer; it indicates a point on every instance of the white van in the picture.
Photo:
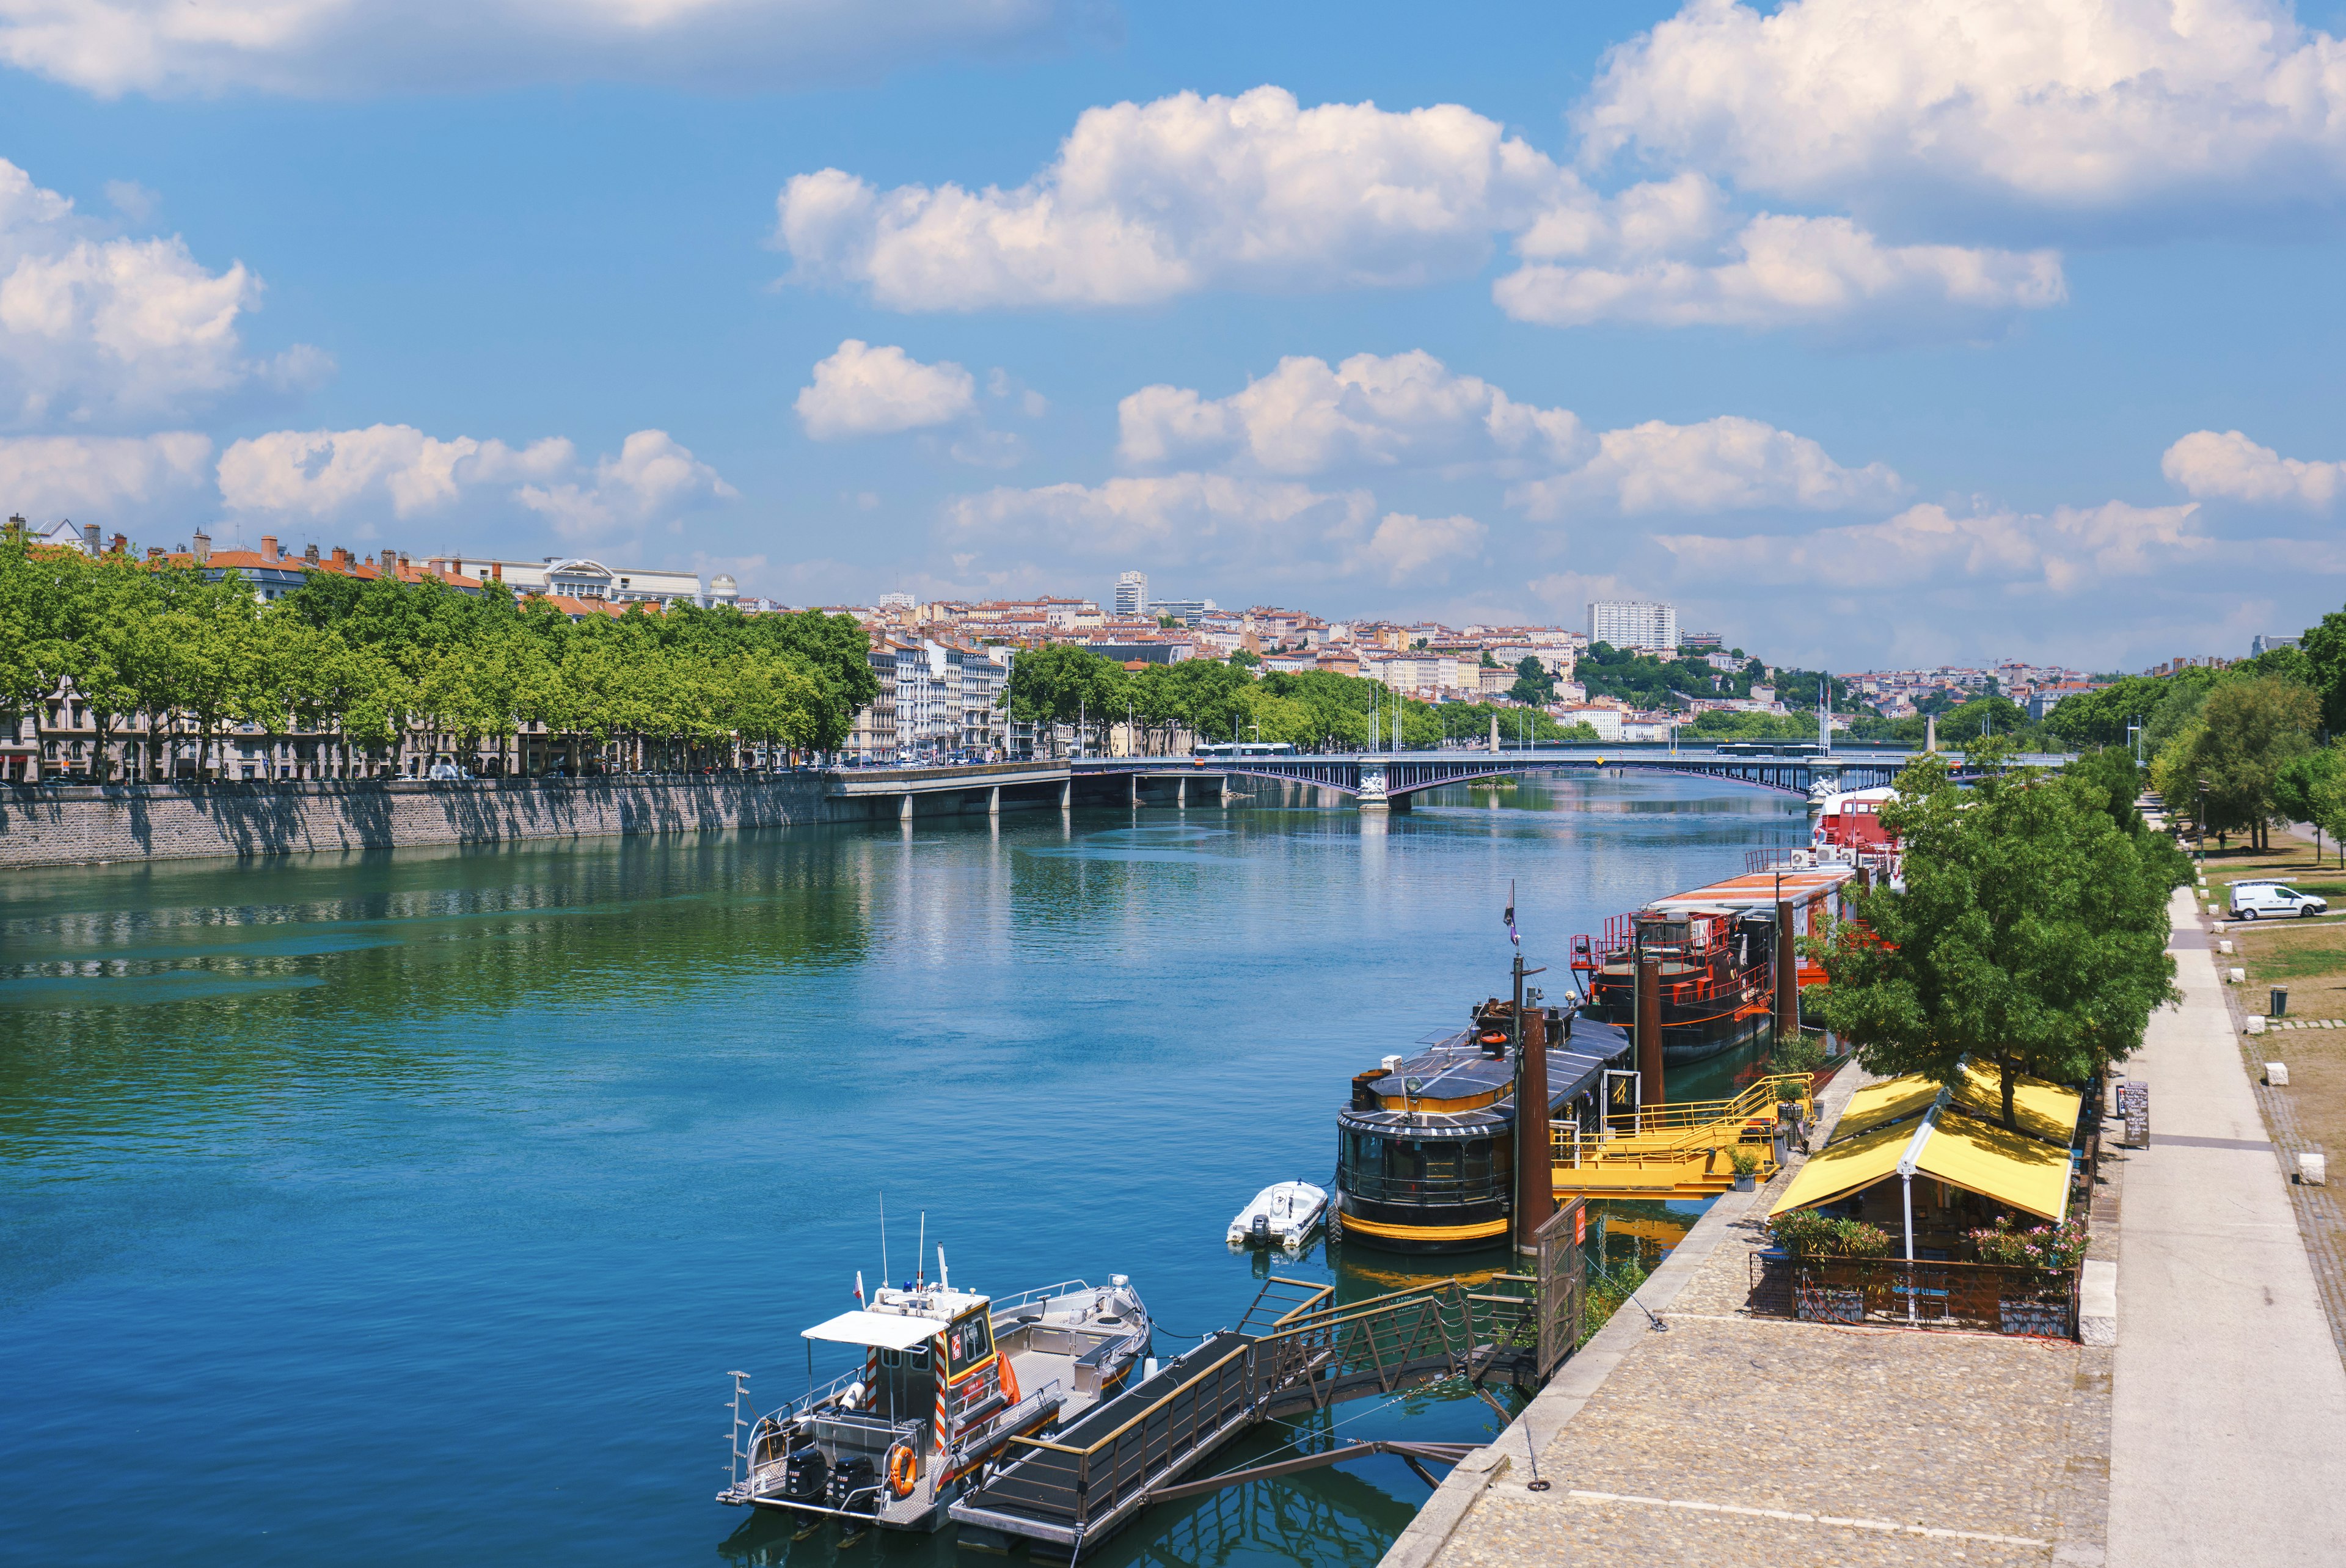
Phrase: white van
(2254, 900)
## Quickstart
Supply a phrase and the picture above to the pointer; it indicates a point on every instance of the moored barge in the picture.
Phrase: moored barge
(1717, 949)
(1425, 1151)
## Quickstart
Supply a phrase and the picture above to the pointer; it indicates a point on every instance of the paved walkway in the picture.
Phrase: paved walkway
(1731, 1439)
(2229, 1415)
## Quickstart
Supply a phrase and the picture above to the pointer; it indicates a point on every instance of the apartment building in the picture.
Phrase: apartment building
(1647, 627)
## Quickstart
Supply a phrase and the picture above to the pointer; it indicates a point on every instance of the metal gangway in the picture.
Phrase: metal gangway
(1295, 1351)
(1681, 1149)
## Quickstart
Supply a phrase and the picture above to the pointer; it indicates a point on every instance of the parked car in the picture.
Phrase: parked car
(2254, 900)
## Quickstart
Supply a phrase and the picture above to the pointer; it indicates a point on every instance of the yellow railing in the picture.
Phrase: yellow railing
(1682, 1128)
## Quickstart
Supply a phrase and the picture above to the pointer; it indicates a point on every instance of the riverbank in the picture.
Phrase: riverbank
(80, 824)
(1734, 1437)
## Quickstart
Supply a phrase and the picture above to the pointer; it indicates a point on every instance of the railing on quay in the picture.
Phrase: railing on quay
(1684, 1123)
(1994, 1298)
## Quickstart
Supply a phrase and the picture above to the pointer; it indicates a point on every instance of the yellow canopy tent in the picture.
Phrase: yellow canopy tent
(1956, 1137)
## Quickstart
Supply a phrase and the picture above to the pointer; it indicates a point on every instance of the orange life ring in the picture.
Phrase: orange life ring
(1009, 1380)
(901, 1467)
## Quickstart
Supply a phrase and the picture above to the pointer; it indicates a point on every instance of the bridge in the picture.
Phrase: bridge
(1391, 778)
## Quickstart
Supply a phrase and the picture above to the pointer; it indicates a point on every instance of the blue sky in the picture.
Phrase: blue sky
(1867, 332)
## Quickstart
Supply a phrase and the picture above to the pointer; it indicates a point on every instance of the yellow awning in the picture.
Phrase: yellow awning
(1996, 1163)
(2044, 1110)
(1846, 1166)
(1893, 1099)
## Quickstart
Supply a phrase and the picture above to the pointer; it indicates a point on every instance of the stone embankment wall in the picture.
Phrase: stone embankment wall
(81, 824)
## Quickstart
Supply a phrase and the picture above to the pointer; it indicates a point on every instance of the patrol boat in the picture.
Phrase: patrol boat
(948, 1379)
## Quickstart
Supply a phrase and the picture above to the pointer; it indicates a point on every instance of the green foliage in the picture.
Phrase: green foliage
(1742, 1162)
(1723, 724)
(368, 656)
(1805, 1233)
(1800, 1052)
(2228, 763)
(2030, 934)
(2061, 1246)
(2100, 717)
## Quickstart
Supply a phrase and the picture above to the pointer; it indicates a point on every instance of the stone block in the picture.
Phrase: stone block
(2313, 1170)
(2255, 1022)
(2225, 948)
(2277, 1075)
(2097, 1303)
(2237, 976)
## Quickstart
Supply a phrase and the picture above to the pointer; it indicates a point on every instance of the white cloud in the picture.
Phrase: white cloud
(1409, 549)
(864, 391)
(2053, 105)
(315, 48)
(106, 480)
(1275, 530)
(325, 473)
(1306, 419)
(1780, 271)
(96, 330)
(1146, 202)
(1728, 464)
(1927, 545)
(2231, 467)
(1370, 412)
(653, 478)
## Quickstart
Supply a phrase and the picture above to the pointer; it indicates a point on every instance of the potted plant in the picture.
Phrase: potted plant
(1746, 1165)
(2049, 1249)
(1811, 1238)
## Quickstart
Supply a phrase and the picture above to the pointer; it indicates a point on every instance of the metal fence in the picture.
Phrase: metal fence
(1991, 1298)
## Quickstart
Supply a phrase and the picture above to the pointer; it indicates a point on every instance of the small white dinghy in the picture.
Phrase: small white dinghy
(1283, 1214)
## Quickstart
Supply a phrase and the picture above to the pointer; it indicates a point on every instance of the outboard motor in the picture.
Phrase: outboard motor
(1261, 1235)
(855, 1485)
(804, 1475)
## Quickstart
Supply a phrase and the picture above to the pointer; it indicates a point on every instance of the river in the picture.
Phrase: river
(413, 1206)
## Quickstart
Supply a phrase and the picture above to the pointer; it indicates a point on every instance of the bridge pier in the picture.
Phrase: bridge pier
(1180, 794)
(1067, 794)
(1135, 792)
(994, 800)
(905, 808)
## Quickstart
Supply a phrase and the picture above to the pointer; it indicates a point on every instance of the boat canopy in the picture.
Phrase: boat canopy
(878, 1331)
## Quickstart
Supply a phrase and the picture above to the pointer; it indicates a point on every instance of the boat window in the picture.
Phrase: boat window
(891, 1358)
(1478, 1159)
(918, 1356)
(1441, 1162)
(967, 1343)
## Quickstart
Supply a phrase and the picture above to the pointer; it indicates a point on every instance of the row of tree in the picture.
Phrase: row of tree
(175, 652)
(1315, 710)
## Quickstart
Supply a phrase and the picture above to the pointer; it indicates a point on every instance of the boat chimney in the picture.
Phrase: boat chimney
(1788, 977)
(1650, 1088)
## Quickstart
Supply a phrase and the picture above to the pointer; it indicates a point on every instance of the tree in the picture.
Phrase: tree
(2029, 934)
(2232, 756)
(1534, 685)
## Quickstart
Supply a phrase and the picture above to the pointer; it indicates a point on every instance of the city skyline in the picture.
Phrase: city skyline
(968, 308)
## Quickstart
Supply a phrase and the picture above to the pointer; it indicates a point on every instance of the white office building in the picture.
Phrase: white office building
(1635, 624)
(1131, 594)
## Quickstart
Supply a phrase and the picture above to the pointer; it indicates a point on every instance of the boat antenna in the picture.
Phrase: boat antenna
(883, 1238)
(920, 1267)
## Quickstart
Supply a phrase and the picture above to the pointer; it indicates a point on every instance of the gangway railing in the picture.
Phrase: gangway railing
(1297, 1349)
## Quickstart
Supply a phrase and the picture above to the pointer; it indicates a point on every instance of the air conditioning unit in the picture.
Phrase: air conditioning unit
(1802, 860)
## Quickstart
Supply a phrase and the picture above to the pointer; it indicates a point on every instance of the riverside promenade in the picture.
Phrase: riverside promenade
(2229, 1444)
(2212, 1433)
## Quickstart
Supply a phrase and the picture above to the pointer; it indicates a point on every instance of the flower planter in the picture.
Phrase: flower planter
(1745, 1183)
(1825, 1305)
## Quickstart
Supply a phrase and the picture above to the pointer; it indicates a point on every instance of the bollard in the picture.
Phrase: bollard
(2313, 1170)
(2279, 1007)
(2277, 1075)
(2238, 976)
(2225, 948)
(2255, 1022)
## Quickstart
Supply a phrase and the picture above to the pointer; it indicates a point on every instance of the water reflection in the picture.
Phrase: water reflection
(425, 1199)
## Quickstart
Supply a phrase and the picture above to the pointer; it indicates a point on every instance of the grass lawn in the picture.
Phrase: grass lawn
(2309, 956)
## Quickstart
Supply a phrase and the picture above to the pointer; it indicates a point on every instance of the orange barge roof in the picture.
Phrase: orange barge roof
(1759, 890)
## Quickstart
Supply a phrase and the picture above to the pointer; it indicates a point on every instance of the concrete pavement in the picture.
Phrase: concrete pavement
(2229, 1441)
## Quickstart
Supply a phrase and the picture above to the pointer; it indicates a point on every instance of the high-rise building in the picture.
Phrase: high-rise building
(1131, 594)
(1635, 624)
